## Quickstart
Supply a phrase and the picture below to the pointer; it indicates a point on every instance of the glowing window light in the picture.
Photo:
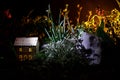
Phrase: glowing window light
(20, 49)
(30, 49)
(25, 57)
(30, 57)
(20, 57)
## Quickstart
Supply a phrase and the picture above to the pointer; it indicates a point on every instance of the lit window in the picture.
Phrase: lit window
(20, 57)
(30, 49)
(20, 49)
(25, 57)
(30, 57)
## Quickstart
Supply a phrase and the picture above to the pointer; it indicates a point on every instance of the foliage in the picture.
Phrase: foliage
(63, 52)
(31, 26)
(60, 31)
(62, 37)
(59, 34)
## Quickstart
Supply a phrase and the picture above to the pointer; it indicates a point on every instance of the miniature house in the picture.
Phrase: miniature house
(26, 47)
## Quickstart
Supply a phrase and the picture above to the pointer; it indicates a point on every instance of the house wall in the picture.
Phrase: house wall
(25, 52)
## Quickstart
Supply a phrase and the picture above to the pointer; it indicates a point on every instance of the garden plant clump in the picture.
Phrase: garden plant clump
(66, 40)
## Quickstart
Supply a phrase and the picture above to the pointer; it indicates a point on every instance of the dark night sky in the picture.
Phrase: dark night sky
(20, 7)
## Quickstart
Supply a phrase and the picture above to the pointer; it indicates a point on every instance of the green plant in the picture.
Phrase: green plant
(64, 52)
(63, 40)
(60, 31)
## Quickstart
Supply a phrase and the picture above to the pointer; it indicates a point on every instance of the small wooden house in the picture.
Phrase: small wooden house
(26, 47)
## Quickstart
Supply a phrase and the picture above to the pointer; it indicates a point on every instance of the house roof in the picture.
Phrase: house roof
(26, 41)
